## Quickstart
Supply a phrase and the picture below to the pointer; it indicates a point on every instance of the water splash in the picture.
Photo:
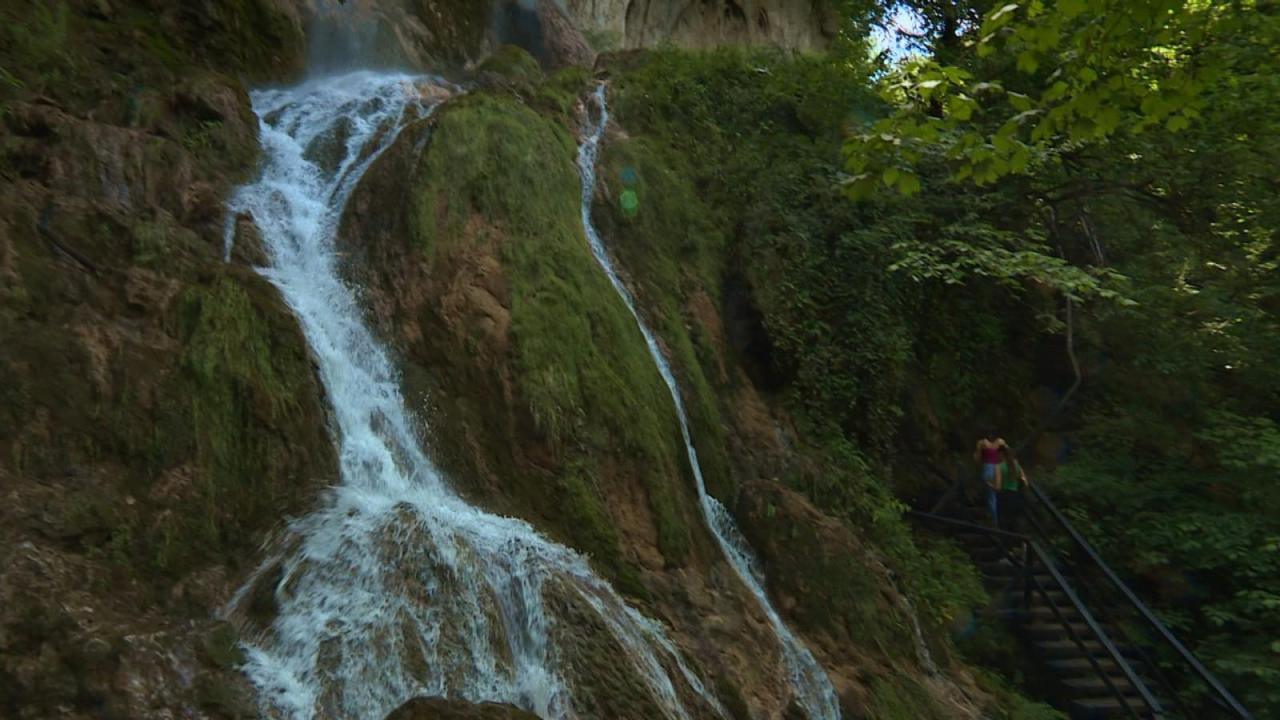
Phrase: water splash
(810, 682)
(397, 587)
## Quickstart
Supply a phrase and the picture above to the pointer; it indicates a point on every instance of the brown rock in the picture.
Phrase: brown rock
(562, 41)
(627, 24)
(441, 709)
(246, 243)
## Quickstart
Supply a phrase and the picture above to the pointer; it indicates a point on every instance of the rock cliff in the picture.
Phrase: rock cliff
(545, 404)
(158, 411)
(160, 417)
(626, 24)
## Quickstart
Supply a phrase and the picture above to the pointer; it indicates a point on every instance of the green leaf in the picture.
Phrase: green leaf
(1020, 102)
(1069, 9)
(959, 107)
(1027, 62)
(909, 184)
(998, 18)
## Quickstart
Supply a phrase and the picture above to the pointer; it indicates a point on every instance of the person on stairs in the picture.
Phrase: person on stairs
(1010, 479)
(987, 452)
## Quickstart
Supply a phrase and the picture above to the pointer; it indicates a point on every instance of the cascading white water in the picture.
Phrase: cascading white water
(812, 686)
(397, 587)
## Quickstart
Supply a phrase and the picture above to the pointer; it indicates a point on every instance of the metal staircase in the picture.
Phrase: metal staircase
(1087, 630)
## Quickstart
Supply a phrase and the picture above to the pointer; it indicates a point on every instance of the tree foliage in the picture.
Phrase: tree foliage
(1040, 79)
(1122, 157)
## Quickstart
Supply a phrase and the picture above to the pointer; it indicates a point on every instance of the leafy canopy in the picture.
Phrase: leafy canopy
(1044, 78)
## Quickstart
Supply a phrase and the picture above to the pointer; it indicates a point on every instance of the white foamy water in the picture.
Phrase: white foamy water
(397, 587)
(808, 680)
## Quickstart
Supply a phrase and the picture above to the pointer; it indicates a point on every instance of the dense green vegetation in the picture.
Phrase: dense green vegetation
(1107, 284)
(840, 337)
(1136, 144)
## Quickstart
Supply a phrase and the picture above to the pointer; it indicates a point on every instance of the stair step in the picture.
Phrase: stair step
(1045, 613)
(1006, 568)
(1081, 665)
(1095, 685)
(1064, 648)
(1054, 629)
(986, 553)
(1090, 708)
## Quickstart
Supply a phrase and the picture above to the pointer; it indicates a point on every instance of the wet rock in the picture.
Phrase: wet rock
(224, 698)
(509, 64)
(421, 34)
(821, 573)
(545, 31)
(563, 41)
(442, 709)
(625, 24)
(220, 647)
(246, 243)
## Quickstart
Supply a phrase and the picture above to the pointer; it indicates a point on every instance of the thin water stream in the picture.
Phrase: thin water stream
(810, 682)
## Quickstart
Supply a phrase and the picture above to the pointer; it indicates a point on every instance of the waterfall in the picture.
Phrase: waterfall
(812, 686)
(396, 587)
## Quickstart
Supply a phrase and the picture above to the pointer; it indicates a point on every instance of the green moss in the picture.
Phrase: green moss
(256, 36)
(902, 698)
(583, 370)
(464, 29)
(244, 378)
(220, 646)
(560, 93)
(583, 511)
(514, 64)
(827, 574)
(40, 37)
(1009, 704)
(241, 403)
(671, 247)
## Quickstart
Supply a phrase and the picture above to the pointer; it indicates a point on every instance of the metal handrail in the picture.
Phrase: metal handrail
(1130, 674)
(1094, 627)
(1093, 662)
(1223, 695)
(1135, 644)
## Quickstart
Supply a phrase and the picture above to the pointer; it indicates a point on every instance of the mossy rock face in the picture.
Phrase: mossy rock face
(903, 698)
(667, 242)
(543, 398)
(822, 572)
(512, 64)
(442, 709)
(111, 54)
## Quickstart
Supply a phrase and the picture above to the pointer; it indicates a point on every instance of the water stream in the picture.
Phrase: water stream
(810, 682)
(397, 587)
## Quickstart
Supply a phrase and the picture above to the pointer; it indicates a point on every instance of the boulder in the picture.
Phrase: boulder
(422, 708)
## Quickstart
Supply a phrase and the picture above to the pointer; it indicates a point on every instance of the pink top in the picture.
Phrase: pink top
(990, 455)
